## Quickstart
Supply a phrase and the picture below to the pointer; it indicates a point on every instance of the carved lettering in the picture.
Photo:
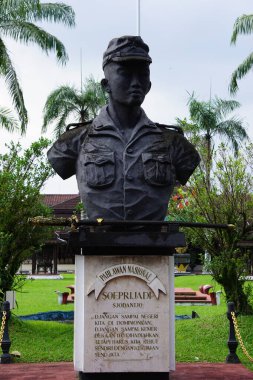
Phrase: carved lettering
(126, 296)
(134, 269)
(130, 332)
(119, 270)
(105, 275)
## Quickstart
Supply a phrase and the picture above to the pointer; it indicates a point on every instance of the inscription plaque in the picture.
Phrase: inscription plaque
(124, 315)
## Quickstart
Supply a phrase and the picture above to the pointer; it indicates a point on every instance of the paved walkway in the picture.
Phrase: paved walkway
(65, 371)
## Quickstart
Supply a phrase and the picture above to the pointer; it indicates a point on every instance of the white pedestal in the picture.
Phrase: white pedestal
(124, 314)
(10, 296)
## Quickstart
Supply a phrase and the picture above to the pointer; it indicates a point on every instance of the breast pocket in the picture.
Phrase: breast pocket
(99, 169)
(158, 169)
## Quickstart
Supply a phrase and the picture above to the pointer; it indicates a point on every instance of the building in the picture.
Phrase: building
(56, 250)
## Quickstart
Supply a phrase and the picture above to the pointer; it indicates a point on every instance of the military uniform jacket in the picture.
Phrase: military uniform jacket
(124, 180)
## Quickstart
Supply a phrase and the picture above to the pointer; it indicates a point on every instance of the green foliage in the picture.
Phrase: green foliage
(67, 101)
(242, 25)
(22, 175)
(179, 206)
(80, 208)
(209, 119)
(17, 21)
(226, 199)
(7, 121)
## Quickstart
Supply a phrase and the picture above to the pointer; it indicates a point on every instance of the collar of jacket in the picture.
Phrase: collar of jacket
(104, 122)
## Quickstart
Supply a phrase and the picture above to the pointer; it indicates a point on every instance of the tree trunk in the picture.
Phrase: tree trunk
(226, 275)
(235, 293)
(208, 161)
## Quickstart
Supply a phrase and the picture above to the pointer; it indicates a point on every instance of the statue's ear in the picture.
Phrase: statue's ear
(105, 85)
(150, 84)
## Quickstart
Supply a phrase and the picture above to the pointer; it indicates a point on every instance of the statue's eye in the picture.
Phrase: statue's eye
(122, 70)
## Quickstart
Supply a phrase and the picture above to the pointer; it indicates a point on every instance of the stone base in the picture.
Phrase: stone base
(233, 359)
(5, 359)
(124, 376)
(124, 317)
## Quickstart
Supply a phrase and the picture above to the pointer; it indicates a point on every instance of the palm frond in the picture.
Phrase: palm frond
(210, 118)
(54, 12)
(61, 124)
(224, 107)
(17, 9)
(26, 33)
(63, 99)
(34, 10)
(240, 72)
(17, 19)
(94, 96)
(202, 115)
(82, 105)
(7, 70)
(7, 120)
(234, 132)
(242, 25)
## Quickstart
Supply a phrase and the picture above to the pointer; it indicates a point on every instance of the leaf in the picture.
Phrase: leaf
(17, 21)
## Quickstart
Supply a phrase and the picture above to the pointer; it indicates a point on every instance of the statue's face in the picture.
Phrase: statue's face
(127, 82)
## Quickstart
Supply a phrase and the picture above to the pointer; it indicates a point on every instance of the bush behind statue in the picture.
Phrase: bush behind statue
(226, 199)
(22, 176)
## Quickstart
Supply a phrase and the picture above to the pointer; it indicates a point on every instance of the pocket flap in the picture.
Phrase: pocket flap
(161, 157)
(99, 159)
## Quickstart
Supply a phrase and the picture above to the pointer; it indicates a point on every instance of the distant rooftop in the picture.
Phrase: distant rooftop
(55, 199)
(61, 203)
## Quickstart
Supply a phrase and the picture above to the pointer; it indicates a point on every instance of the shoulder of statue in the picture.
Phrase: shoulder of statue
(74, 130)
(75, 126)
(170, 128)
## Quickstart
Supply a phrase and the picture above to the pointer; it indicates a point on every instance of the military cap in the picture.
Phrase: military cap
(126, 48)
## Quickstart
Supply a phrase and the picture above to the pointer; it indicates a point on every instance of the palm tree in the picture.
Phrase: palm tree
(67, 101)
(7, 120)
(210, 119)
(242, 25)
(17, 18)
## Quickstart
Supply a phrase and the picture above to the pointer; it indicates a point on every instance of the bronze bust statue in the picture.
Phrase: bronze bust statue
(126, 165)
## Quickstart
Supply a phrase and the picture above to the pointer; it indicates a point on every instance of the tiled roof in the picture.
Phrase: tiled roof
(68, 204)
(63, 205)
(52, 200)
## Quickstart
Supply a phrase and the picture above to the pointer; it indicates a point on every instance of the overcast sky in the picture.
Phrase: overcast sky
(189, 43)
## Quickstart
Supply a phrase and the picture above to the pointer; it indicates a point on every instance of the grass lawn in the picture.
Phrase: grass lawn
(39, 295)
(202, 339)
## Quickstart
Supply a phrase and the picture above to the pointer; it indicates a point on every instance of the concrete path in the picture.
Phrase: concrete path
(65, 371)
